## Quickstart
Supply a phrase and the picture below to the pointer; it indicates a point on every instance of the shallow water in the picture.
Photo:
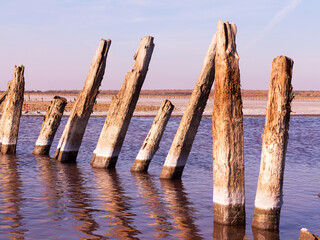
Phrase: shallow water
(43, 199)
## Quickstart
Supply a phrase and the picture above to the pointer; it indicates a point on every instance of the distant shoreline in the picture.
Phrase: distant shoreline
(306, 103)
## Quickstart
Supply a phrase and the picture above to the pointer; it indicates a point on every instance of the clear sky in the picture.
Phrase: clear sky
(56, 40)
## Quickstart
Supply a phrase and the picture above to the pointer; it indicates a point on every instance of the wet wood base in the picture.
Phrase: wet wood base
(229, 214)
(41, 150)
(66, 157)
(8, 149)
(140, 165)
(266, 219)
(171, 172)
(103, 162)
(228, 232)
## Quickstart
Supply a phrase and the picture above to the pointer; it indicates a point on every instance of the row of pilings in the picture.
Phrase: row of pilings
(221, 64)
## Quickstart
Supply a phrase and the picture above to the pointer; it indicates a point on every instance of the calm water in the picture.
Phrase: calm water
(43, 199)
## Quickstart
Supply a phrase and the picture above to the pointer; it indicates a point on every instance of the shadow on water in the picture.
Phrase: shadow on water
(180, 209)
(62, 181)
(156, 208)
(11, 198)
(116, 205)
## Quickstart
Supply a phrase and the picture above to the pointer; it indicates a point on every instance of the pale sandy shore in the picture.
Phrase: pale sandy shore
(250, 107)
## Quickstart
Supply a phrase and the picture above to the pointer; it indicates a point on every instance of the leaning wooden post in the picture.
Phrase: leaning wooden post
(72, 135)
(12, 112)
(268, 200)
(151, 143)
(50, 126)
(4, 101)
(187, 130)
(121, 109)
(227, 131)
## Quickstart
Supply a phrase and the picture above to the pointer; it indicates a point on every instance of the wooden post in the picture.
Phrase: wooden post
(72, 135)
(121, 109)
(12, 112)
(183, 140)
(268, 200)
(227, 131)
(3, 96)
(151, 143)
(306, 235)
(4, 101)
(50, 125)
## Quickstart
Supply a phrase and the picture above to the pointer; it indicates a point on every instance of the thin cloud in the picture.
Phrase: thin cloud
(274, 21)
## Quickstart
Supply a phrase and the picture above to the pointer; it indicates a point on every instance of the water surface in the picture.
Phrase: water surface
(43, 199)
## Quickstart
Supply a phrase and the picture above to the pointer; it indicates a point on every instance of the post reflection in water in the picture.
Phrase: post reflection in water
(157, 208)
(226, 232)
(260, 234)
(116, 204)
(64, 191)
(11, 198)
(180, 209)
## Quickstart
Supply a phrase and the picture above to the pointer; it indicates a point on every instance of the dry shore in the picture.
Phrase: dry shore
(254, 102)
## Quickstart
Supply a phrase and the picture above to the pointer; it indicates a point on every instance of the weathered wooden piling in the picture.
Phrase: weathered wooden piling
(3, 96)
(268, 200)
(152, 141)
(306, 235)
(121, 109)
(12, 109)
(50, 126)
(187, 130)
(227, 131)
(72, 135)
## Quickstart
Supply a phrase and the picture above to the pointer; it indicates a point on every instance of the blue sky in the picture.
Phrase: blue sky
(56, 40)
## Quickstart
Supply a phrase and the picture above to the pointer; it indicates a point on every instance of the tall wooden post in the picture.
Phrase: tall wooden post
(12, 112)
(50, 126)
(183, 140)
(152, 141)
(268, 200)
(227, 131)
(72, 135)
(121, 109)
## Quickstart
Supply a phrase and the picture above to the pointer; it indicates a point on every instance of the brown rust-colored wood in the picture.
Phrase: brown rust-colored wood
(72, 135)
(50, 125)
(121, 109)
(187, 130)
(268, 200)
(227, 131)
(12, 112)
(3, 96)
(152, 141)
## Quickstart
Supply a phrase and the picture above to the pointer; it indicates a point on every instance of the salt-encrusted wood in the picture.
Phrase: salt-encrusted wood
(70, 141)
(50, 125)
(152, 141)
(121, 109)
(12, 112)
(227, 131)
(269, 200)
(183, 140)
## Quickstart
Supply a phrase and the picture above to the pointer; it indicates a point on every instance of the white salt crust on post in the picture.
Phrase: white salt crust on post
(106, 152)
(144, 155)
(268, 202)
(226, 197)
(43, 142)
(175, 160)
(8, 140)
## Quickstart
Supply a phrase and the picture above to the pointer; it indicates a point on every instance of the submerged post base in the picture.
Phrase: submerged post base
(41, 149)
(266, 219)
(8, 149)
(140, 165)
(171, 172)
(66, 157)
(265, 234)
(103, 162)
(229, 214)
